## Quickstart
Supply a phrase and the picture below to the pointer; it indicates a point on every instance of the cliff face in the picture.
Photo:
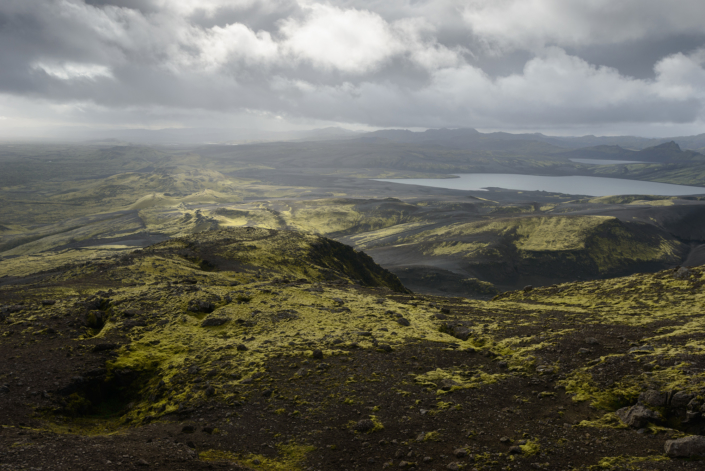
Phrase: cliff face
(255, 348)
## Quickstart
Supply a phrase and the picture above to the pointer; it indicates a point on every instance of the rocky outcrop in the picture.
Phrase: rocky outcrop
(638, 416)
(686, 447)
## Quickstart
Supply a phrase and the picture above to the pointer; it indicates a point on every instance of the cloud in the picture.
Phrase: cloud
(395, 63)
(554, 88)
(537, 23)
(73, 71)
(351, 41)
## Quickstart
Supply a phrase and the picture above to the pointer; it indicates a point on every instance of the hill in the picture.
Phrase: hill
(261, 349)
(668, 152)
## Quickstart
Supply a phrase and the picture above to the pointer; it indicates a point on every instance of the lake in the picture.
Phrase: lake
(572, 185)
(605, 162)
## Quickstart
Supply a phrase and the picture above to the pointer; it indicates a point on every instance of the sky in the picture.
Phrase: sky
(567, 67)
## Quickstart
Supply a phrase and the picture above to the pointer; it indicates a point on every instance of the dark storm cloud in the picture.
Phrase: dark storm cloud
(637, 58)
(500, 63)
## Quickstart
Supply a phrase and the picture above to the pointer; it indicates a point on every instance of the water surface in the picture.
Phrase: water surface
(572, 185)
(605, 162)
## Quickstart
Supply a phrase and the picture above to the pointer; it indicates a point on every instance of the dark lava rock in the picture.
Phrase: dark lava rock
(592, 341)
(638, 416)
(528, 288)
(48, 302)
(681, 399)
(134, 323)
(208, 429)
(403, 321)
(686, 447)
(242, 348)
(456, 330)
(653, 398)
(317, 355)
(4, 389)
(454, 466)
(210, 391)
(364, 425)
(385, 347)
(642, 349)
(188, 429)
(460, 453)
(214, 321)
(682, 273)
(201, 306)
(267, 393)
(515, 450)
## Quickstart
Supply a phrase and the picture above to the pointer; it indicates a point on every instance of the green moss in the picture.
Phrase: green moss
(458, 378)
(609, 420)
(291, 457)
(532, 447)
(628, 462)
(217, 455)
(581, 385)
(378, 426)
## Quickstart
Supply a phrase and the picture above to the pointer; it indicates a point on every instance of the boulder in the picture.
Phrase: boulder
(686, 447)
(214, 321)
(364, 425)
(638, 416)
(456, 330)
(681, 399)
(653, 398)
(682, 273)
(201, 306)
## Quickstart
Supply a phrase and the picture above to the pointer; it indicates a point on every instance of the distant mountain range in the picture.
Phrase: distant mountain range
(466, 139)
(472, 139)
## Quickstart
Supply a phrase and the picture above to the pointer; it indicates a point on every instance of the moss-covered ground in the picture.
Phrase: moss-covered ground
(262, 349)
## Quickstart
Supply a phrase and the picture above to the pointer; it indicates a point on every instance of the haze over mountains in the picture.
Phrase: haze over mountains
(461, 138)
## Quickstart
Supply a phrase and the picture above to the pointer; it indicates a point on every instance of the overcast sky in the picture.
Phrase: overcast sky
(554, 66)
